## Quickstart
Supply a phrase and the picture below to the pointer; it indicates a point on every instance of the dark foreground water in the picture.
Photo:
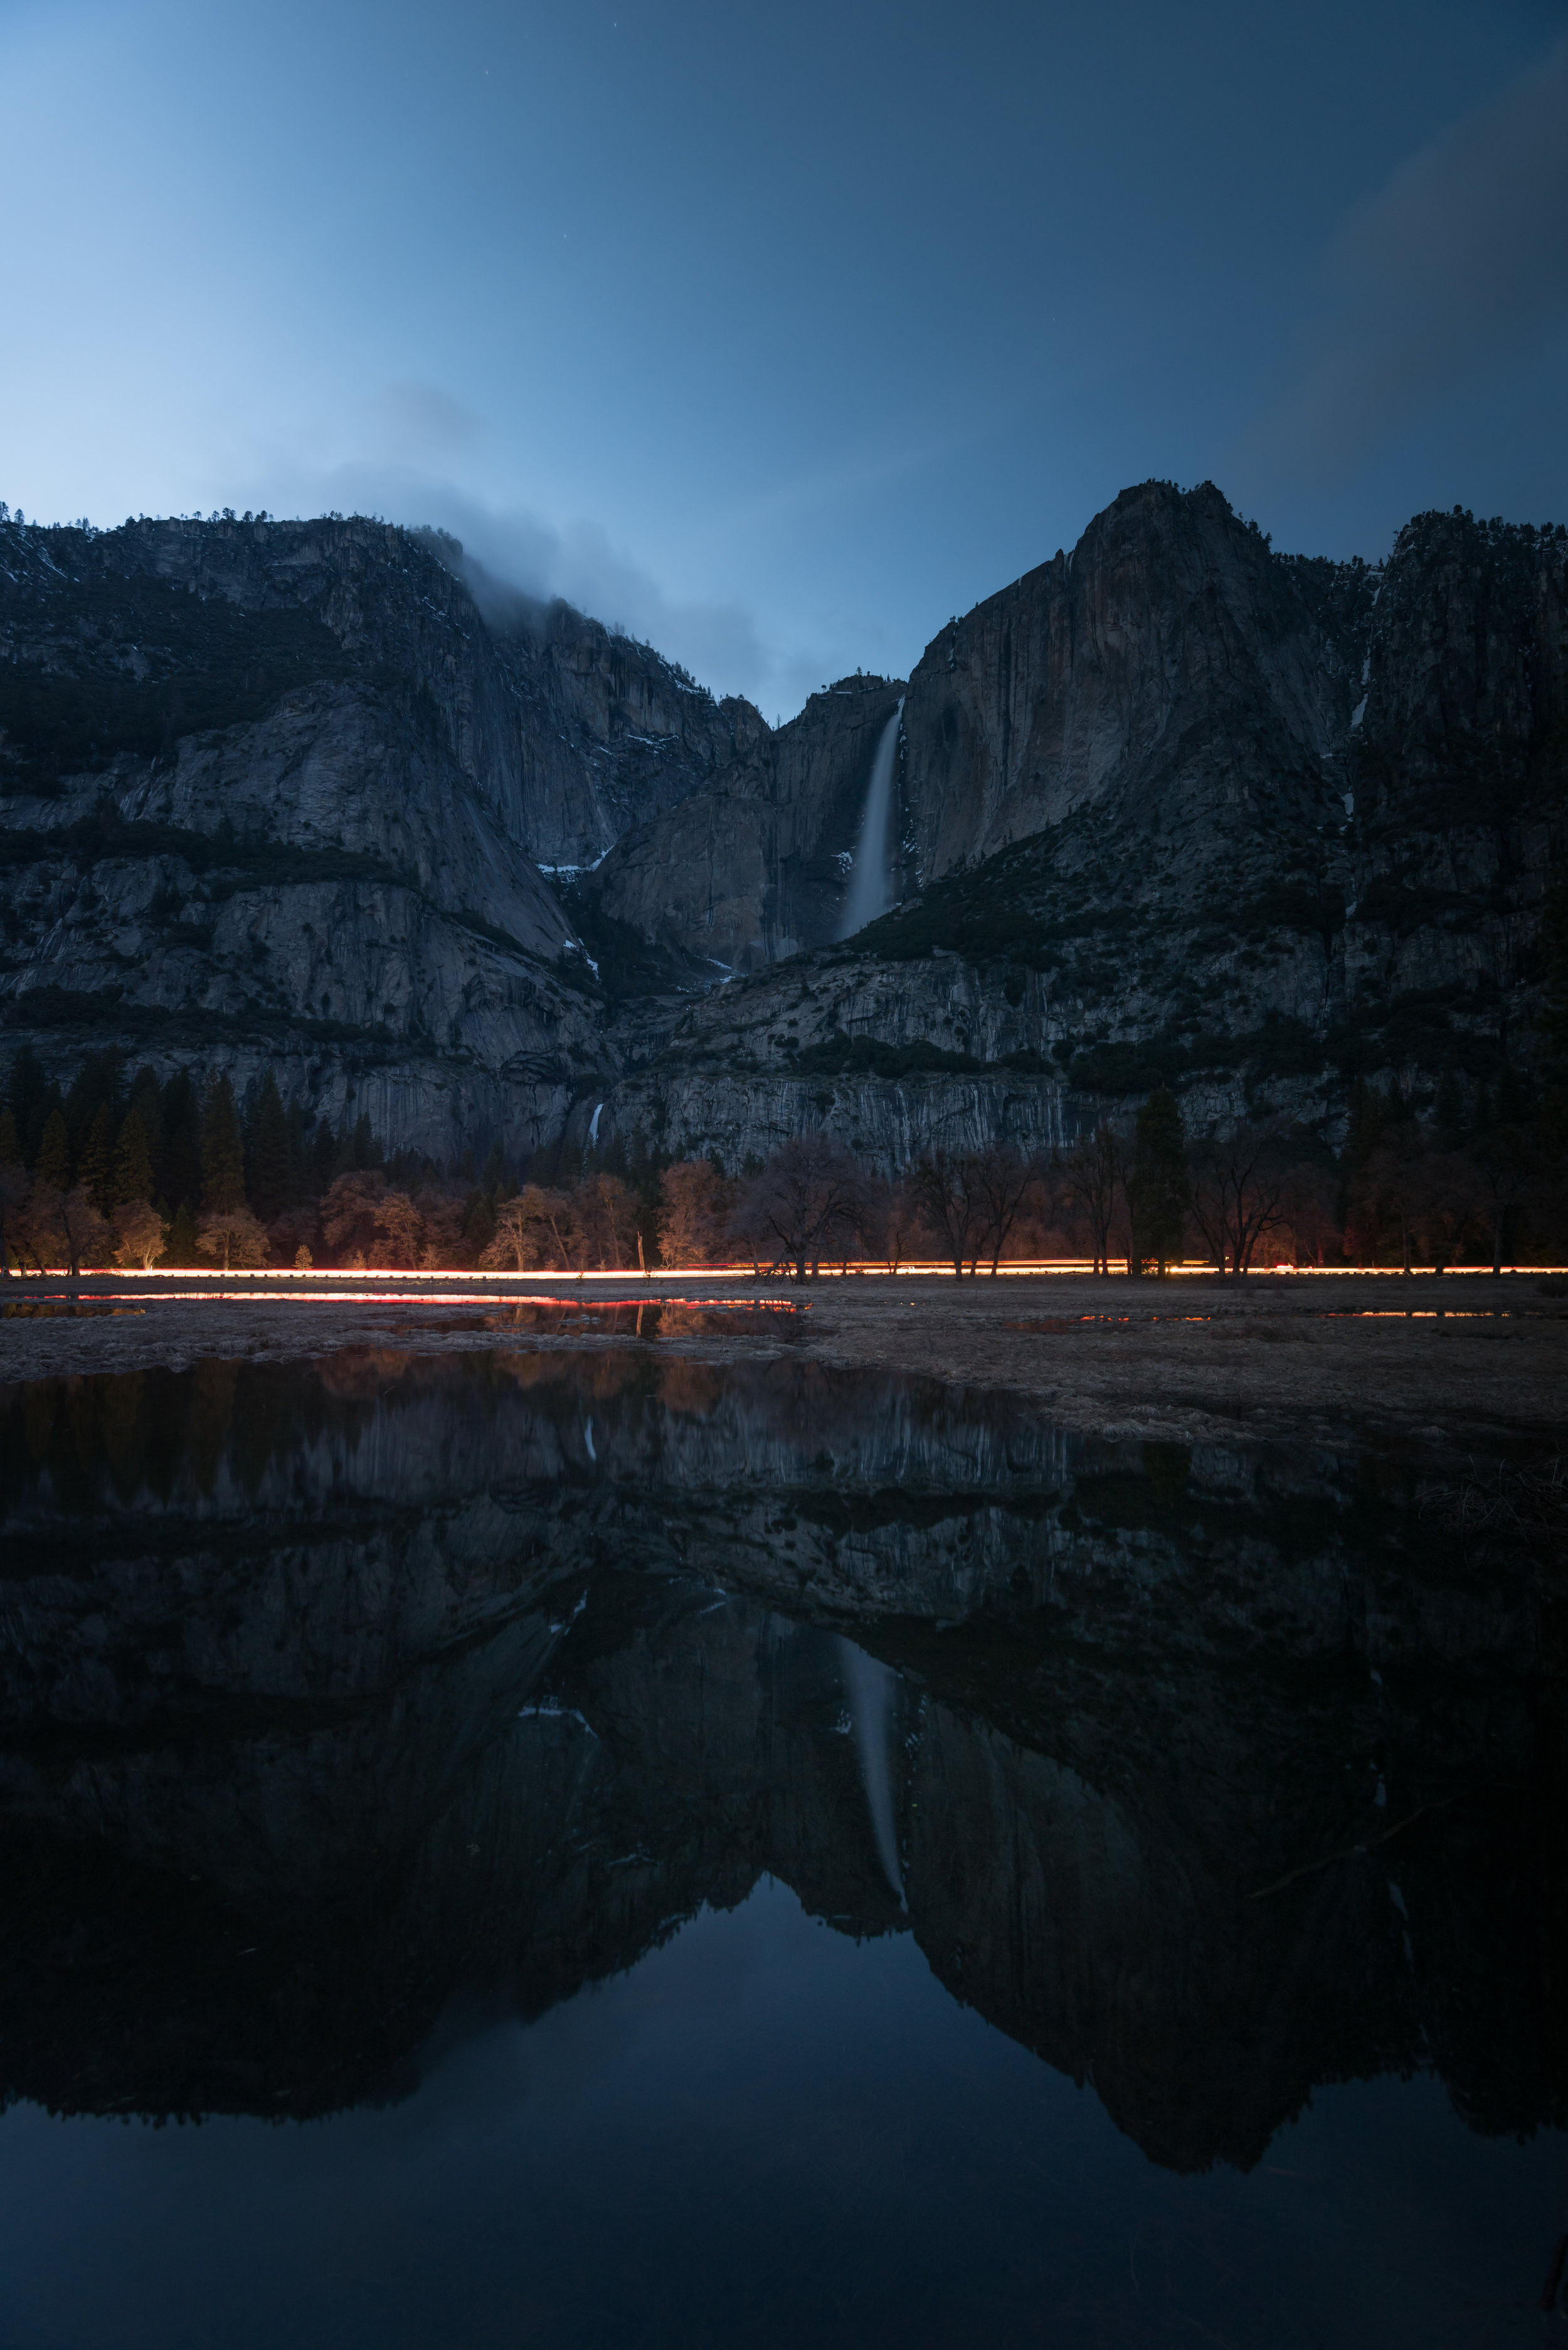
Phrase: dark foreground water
(549, 1848)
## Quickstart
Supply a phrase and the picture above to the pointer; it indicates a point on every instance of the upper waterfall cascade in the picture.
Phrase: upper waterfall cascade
(871, 875)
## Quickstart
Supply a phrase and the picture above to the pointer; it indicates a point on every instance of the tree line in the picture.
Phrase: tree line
(175, 1172)
(1482, 1181)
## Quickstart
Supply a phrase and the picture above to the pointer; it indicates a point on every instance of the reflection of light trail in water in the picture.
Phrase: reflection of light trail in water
(869, 1688)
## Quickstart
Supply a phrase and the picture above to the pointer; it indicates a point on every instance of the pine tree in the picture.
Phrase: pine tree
(478, 1226)
(1158, 1184)
(367, 1150)
(1448, 1111)
(269, 1157)
(95, 1165)
(133, 1177)
(324, 1154)
(30, 1098)
(223, 1151)
(10, 1148)
(180, 1249)
(147, 1102)
(177, 1174)
(54, 1153)
(98, 1084)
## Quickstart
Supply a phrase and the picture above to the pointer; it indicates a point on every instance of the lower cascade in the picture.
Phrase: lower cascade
(871, 876)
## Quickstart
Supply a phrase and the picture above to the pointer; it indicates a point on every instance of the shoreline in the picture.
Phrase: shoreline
(1450, 1360)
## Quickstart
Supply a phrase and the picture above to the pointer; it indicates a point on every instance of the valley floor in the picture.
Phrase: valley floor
(1439, 1364)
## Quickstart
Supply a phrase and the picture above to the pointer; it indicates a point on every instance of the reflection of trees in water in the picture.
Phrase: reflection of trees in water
(319, 1641)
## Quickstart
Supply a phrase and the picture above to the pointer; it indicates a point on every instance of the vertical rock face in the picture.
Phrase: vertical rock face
(612, 733)
(1455, 764)
(1180, 809)
(756, 869)
(1171, 808)
(1167, 665)
(279, 793)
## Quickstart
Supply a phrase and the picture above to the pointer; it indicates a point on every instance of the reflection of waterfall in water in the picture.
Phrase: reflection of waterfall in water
(871, 875)
(870, 1689)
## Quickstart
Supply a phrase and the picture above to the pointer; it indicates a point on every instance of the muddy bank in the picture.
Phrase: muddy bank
(1463, 1359)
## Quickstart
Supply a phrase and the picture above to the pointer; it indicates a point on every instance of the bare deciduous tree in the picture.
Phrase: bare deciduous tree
(605, 1210)
(809, 1196)
(694, 1201)
(12, 1200)
(947, 1190)
(1238, 1192)
(1448, 1196)
(235, 1235)
(139, 1234)
(64, 1227)
(1093, 1177)
(400, 1227)
(531, 1231)
(1508, 1173)
(1004, 1180)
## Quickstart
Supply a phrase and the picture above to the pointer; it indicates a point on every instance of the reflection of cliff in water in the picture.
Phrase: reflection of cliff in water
(333, 1699)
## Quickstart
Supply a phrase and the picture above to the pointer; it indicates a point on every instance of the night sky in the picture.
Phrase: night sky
(778, 334)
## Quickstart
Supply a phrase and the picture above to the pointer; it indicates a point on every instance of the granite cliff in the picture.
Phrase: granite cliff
(755, 869)
(278, 795)
(318, 796)
(1176, 809)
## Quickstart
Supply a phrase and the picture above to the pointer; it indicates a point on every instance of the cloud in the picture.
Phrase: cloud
(414, 444)
(418, 423)
(1458, 270)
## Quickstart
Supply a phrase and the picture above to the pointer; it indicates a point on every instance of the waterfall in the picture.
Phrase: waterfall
(871, 875)
(870, 1689)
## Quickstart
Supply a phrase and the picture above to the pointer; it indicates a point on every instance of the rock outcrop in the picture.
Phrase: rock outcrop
(1178, 808)
(278, 795)
(751, 871)
(1171, 807)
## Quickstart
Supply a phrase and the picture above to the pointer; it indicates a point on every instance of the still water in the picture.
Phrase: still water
(580, 1848)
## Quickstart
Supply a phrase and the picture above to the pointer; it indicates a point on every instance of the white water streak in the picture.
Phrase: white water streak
(869, 1688)
(871, 876)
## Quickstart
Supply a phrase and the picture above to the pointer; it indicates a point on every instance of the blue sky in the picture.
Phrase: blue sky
(778, 334)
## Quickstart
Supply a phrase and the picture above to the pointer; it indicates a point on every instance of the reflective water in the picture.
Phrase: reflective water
(614, 1849)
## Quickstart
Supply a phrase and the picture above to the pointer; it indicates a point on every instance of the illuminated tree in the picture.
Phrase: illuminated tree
(692, 1204)
(531, 1230)
(605, 1210)
(140, 1233)
(233, 1234)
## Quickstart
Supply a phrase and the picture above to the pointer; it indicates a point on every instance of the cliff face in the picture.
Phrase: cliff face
(751, 871)
(1170, 808)
(396, 1675)
(278, 794)
(1166, 671)
(1179, 809)
(612, 734)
